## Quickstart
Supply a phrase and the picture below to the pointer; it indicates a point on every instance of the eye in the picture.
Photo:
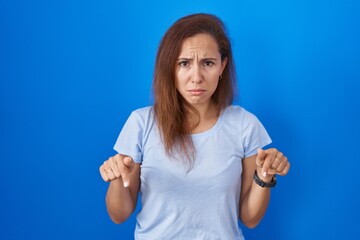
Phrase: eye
(208, 63)
(184, 63)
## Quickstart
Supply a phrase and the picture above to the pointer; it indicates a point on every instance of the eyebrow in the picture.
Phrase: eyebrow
(203, 59)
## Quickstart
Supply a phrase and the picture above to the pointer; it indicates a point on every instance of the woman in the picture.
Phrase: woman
(196, 159)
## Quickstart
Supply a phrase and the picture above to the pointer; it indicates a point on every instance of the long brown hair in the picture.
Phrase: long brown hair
(171, 110)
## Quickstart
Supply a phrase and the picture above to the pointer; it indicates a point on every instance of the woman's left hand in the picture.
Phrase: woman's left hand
(272, 161)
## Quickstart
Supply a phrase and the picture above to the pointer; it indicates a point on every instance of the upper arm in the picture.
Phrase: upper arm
(129, 141)
(135, 186)
(248, 169)
(254, 136)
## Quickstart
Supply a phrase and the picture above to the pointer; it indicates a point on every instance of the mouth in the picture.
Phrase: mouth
(196, 91)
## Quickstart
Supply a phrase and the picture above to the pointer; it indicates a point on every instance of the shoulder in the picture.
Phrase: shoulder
(238, 113)
(239, 118)
(140, 117)
(143, 110)
(142, 113)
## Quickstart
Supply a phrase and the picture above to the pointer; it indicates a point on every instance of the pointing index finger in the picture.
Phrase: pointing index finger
(269, 159)
(128, 165)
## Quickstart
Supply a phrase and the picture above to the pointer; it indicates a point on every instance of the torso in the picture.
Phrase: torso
(201, 202)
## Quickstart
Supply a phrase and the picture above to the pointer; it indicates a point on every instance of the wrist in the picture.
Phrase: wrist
(268, 178)
(117, 182)
(264, 181)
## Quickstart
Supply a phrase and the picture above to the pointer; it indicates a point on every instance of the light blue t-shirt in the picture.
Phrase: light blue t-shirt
(202, 203)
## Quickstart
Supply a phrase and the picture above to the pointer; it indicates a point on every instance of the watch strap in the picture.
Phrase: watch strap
(262, 184)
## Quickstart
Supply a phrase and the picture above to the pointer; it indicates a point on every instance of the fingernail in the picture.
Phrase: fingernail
(264, 174)
(126, 184)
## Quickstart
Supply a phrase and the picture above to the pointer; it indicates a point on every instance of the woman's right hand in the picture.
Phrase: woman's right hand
(116, 167)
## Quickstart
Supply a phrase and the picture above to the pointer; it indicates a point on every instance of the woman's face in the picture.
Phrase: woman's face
(198, 68)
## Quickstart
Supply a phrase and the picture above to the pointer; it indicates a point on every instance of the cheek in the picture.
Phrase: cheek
(180, 78)
(215, 85)
(178, 83)
(181, 73)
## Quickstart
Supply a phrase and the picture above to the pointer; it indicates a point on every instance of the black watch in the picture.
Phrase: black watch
(262, 184)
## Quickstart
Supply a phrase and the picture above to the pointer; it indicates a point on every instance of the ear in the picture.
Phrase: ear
(223, 64)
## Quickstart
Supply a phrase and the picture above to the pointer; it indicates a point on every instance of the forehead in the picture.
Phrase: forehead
(201, 43)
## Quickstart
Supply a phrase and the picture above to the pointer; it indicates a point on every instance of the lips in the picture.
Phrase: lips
(196, 91)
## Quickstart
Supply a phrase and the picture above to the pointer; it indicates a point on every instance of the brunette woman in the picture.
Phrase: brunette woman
(196, 159)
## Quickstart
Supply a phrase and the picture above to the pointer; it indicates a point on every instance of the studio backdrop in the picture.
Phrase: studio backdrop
(71, 72)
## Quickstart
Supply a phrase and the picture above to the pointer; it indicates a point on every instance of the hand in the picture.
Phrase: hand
(116, 167)
(272, 162)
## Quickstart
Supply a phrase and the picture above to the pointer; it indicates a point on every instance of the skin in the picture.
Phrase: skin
(255, 199)
(197, 73)
(124, 177)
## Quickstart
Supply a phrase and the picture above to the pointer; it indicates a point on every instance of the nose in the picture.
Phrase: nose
(196, 74)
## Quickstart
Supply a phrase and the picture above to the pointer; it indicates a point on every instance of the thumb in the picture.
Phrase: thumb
(260, 159)
(128, 161)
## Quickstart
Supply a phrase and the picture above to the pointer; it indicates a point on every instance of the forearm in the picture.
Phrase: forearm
(120, 201)
(255, 203)
(254, 199)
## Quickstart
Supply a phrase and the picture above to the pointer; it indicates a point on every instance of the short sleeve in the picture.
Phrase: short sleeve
(129, 141)
(254, 134)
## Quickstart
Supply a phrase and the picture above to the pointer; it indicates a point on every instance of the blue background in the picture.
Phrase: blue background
(72, 71)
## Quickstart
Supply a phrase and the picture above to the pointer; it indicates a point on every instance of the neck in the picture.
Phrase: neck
(206, 111)
(206, 117)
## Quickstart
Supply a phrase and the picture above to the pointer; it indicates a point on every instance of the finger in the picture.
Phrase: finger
(128, 162)
(281, 166)
(271, 172)
(103, 174)
(108, 168)
(260, 157)
(125, 165)
(110, 175)
(269, 159)
(125, 179)
(277, 162)
(286, 169)
(112, 163)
